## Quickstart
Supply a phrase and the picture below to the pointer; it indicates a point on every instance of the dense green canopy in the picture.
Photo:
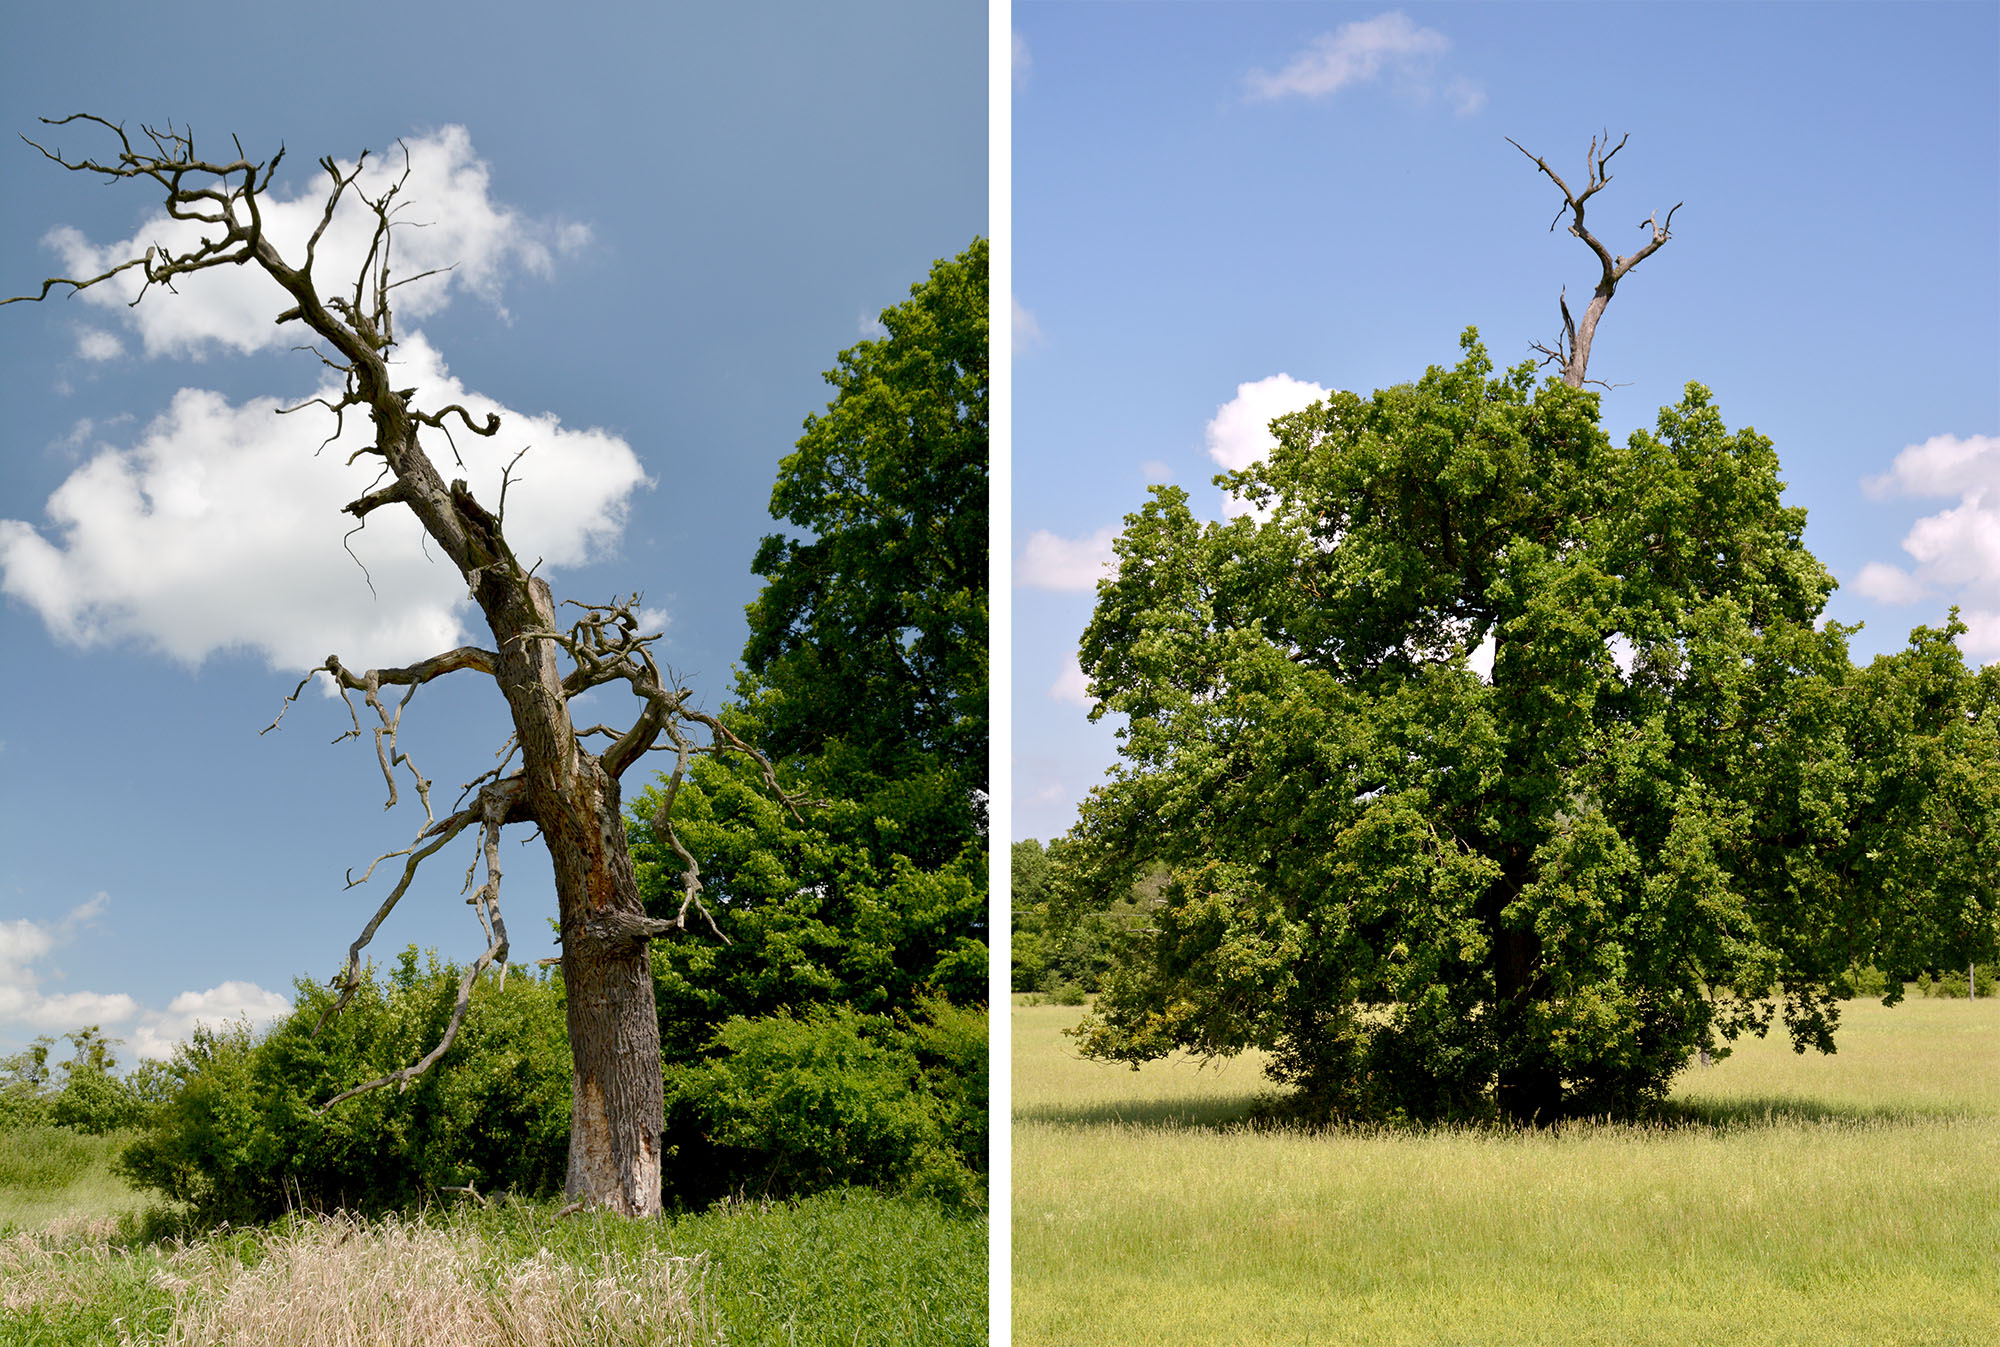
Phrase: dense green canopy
(865, 680)
(1672, 810)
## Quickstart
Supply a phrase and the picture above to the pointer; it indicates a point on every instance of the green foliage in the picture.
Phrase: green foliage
(834, 1098)
(865, 681)
(1029, 908)
(40, 1158)
(240, 1136)
(872, 633)
(1952, 983)
(1068, 952)
(1433, 893)
(83, 1093)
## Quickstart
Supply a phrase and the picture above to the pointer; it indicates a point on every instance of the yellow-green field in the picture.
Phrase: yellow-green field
(1832, 1200)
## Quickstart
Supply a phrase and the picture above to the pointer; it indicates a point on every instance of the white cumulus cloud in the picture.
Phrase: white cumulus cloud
(1363, 51)
(25, 945)
(1956, 551)
(1240, 432)
(1050, 561)
(159, 1031)
(455, 228)
(220, 529)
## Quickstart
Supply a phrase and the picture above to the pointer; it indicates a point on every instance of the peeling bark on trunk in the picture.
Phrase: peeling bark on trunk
(616, 1113)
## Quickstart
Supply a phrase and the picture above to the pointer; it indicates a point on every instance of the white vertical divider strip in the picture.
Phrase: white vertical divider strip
(1000, 596)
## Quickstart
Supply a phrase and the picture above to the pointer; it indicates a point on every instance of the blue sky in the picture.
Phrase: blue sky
(668, 222)
(1209, 196)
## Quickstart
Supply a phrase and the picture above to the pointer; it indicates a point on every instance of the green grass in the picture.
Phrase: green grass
(82, 1262)
(1850, 1199)
(51, 1174)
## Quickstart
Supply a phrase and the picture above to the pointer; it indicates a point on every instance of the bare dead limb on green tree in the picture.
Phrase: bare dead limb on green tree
(1572, 349)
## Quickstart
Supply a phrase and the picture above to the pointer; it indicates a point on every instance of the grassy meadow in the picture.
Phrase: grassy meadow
(85, 1260)
(1797, 1200)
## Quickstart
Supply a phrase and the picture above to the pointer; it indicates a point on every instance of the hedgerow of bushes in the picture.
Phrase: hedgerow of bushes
(779, 1106)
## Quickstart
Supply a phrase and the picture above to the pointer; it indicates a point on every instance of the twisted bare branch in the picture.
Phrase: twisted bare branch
(496, 806)
(1572, 351)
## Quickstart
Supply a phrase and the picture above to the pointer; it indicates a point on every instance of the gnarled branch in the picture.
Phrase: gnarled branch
(1572, 351)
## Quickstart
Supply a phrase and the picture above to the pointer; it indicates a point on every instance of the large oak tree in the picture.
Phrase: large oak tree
(1670, 813)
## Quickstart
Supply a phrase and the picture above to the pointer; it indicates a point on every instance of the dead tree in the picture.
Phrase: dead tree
(546, 776)
(1572, 350)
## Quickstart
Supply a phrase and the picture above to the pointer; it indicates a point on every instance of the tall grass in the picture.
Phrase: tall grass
(840, 1268)
(1786, 1200)
(53, 1174)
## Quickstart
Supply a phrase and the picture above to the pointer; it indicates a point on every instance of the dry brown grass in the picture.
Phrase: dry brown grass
(337, 1282)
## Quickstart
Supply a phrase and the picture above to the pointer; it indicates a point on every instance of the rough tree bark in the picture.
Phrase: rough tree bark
(1572, 350)
(568, 792)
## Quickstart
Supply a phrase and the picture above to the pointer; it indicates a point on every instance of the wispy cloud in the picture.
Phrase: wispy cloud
(27, 1010)
(1050, 561)
(1364, 51)
(96, 344)
(1027, 332)
(1071, 685)
(25, 946)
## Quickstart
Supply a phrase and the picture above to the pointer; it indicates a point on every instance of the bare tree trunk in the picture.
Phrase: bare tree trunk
(616, 1113)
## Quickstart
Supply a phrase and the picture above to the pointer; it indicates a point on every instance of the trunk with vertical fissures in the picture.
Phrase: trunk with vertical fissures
(614, 1032)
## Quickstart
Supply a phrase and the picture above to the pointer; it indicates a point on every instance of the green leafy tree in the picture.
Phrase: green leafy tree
(1925, 798)
(865, 679)
(1438, 892)
(1029, 903)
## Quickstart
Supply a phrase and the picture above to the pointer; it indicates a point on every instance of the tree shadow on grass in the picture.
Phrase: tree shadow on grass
(1752, 1113)
(1166, 1114)
(1265, 1111)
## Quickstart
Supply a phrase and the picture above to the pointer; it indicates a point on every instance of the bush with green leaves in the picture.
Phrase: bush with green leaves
(242, 1136)
(83, 1094)
(789, 1104)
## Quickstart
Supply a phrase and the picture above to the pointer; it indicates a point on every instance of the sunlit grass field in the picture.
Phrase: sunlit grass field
(1802, 1200)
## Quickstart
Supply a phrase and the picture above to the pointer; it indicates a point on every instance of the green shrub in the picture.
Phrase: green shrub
(791, 1105)
(1950, 984)
(240, 1135)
